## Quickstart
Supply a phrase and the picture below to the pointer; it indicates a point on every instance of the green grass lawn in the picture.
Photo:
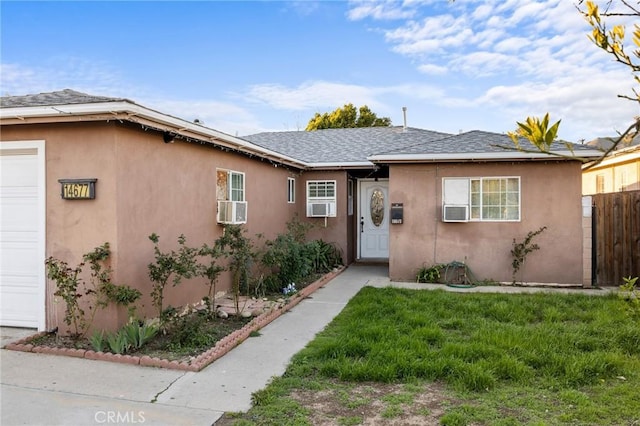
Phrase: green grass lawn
(496, 359)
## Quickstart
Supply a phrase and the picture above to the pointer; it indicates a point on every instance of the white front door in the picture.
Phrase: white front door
(22, 222)
(374, 219)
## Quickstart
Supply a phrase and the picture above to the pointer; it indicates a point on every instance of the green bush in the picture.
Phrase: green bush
(172, 265)
(287, 259)
(190, 331)
(100, 291)
(132, 336)
(429, 274)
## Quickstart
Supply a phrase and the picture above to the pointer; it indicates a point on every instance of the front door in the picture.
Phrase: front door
(374, 219)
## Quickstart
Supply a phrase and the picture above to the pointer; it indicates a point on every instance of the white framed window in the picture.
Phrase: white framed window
(489, 199)
(622, 180)
(321, 198)
(291, 190)
(230, 194)
(230, 185)
(600, 184)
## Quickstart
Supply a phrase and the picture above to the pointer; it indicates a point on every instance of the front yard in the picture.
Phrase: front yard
(402, 357)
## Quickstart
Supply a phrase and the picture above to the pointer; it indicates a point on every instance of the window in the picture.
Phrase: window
(230, 185)
(599, 184)
(321, 198)
(321, 189)
(291, 190)
(230, 194)
(485, 199)
(622, 179)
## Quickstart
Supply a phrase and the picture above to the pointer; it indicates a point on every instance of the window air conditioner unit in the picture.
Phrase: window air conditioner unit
(232, 212)
(321, 209)
(455, 213)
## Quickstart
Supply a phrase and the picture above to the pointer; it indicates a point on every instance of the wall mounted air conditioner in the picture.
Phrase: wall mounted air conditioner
(324, 209)
(232, 212)
(458, 213)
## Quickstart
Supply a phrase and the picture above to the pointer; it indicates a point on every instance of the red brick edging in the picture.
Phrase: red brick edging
(199, 362)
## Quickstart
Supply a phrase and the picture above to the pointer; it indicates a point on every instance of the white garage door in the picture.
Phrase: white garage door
(22, 224)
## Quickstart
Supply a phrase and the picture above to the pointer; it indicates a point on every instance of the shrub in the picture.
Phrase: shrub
(238, 249)
(174, 265)
(100, 290)
(291, 260)
(210, 271)
(132, 336)
(429, 274)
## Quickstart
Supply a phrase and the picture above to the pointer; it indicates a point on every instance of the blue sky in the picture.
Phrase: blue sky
(247, 67)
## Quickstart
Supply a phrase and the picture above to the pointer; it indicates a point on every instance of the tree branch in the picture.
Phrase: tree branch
(631, 132)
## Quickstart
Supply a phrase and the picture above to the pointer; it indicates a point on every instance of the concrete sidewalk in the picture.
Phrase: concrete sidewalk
(38, 389)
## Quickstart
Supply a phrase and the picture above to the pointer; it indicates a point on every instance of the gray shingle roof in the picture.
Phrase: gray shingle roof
(62, 97)
(332, 147)
(356, 145)
(473, 142)
(342, 145)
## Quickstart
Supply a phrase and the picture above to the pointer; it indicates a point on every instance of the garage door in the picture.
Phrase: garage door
(22, 225)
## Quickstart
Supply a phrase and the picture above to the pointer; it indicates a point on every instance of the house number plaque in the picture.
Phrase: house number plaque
(78, 189)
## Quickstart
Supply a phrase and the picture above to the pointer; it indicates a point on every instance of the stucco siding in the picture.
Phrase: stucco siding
(550, 196)
(74, 227)
(170, 189)
(336, 229)
(622, 176)
(145, 186)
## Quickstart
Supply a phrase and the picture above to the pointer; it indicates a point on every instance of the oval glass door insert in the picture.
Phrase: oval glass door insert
(377, 207)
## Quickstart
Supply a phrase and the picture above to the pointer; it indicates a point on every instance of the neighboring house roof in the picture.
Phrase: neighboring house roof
(319, 149)
(479, 145)
(618, 156)
(342, 147)
(62, 97)
(605, 143)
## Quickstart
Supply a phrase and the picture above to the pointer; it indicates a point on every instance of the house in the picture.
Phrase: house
(80, 170)
(462, 198)
(619, 171)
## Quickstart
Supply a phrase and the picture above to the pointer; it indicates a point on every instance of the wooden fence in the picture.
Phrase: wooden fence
(616, 237)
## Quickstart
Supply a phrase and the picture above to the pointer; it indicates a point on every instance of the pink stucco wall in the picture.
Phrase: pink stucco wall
(336, 229)
(145, 186)
(550, 196)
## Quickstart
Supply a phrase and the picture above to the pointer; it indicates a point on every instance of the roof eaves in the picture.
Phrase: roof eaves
(133, 112)
(616, 157)
(342, 165)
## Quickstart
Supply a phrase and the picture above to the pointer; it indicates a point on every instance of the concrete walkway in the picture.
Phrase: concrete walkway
(39, 389)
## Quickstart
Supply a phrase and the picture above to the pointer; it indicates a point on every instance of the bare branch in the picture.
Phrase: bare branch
(631, 132)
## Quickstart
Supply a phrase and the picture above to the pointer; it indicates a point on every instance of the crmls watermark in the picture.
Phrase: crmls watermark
(119, 417)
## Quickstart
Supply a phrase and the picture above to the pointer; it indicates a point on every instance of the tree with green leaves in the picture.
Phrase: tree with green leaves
(538, 131)
(347, 117)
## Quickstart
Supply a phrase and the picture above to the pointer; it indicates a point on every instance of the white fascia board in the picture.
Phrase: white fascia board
(486, 156)
(342, 165)
(135, 110)
(616, 158)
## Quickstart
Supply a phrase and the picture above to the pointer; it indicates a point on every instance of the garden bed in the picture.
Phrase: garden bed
(230, 332)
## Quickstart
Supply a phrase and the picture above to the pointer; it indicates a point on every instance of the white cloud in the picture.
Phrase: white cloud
(527, 57)
(512, 44)
(222, 116)
(385, 10)
(433, 69)
(59, 74)
(312, 94)
(482, 12)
